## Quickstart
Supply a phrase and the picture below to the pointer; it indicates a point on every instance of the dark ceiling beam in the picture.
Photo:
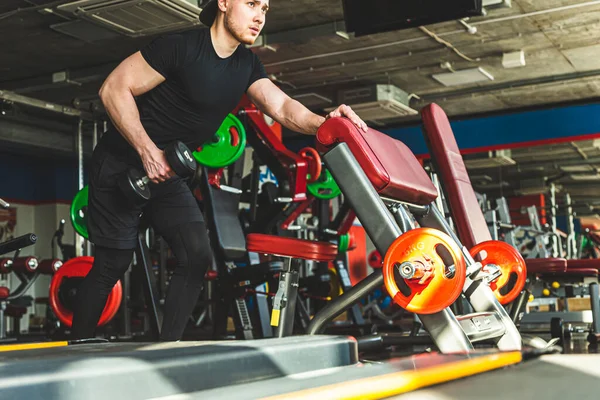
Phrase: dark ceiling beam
(427, 98)
(11, 97)
(303, 35)
(79, 76)
(60, 79)
(30, 139)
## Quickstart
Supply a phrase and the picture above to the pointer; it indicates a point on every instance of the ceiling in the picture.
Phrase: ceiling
(306, 51)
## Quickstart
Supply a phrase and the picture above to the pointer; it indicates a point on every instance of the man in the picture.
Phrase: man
(179, 87)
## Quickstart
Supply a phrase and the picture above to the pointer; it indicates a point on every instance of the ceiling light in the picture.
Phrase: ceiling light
(515, 59)
(577, 168)
(463, 77)
(585, 177)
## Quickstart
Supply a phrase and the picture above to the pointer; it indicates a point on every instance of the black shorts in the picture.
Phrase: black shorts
(113, 221)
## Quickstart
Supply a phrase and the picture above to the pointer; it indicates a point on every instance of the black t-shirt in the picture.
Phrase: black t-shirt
(199, 90)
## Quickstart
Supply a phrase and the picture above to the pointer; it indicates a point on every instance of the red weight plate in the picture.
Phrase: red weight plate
(75, 268)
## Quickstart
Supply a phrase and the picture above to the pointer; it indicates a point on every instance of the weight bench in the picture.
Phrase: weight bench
(384, 182)
(229, 244)
(464, 208)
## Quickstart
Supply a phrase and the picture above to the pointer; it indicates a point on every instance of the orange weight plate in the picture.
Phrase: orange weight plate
(434, 286)
(509, 260)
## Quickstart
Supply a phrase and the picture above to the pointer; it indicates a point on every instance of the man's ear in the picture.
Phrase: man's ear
(222, 4)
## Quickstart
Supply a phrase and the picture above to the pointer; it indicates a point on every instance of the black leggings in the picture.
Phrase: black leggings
(191, 247)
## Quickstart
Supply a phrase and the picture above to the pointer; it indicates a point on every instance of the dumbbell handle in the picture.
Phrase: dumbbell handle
(4, 204)
(142, 182)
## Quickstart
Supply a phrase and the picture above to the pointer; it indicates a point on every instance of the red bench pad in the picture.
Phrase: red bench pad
(588, 263)
(464, 207)
(290, 247)
(389, 164)
(546, 265)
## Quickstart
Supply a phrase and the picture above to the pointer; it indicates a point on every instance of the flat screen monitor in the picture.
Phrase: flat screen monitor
(365, 17)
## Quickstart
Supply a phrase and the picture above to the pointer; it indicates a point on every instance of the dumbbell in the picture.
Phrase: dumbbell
(135, 185)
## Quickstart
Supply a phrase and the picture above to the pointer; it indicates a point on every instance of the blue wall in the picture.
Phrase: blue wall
(512, 130)
(31, 179)
(502, 131)
(37, 180)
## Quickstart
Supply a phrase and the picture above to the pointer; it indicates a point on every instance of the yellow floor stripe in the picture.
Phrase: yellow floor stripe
(32, 346)
(402, 382)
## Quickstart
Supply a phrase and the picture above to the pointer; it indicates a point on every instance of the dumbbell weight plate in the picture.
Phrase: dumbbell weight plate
(132, 186)
(180, 159)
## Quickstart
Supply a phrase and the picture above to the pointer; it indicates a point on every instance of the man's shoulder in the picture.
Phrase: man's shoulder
(188, 35)
(246, 54)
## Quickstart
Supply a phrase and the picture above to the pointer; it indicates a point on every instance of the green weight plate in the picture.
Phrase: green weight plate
(586, 243)
(325, 187)
(227, 145)
(78, 210)
(343, 243)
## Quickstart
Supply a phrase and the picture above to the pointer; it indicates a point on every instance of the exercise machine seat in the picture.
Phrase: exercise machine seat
(588, 263)
(389, 164)
(546, 265)
(4, 293)
(290, 247)
(15, 311)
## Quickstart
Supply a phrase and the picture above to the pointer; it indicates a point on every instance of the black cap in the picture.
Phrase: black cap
(209, 13)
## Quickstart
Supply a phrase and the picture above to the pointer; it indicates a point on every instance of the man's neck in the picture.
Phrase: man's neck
(223, 42)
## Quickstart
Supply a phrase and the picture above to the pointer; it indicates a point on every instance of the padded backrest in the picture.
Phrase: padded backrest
(464, 207)
(222, 211)
(389, 164)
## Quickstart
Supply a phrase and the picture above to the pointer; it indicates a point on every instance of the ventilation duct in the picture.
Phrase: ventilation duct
(312, 100)
(534, 186)
(135, 17)
(497, 158)
(376, 102)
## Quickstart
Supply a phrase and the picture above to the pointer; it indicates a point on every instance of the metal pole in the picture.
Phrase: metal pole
(95, 135)
(556, 247)
(94, 143)
(571, 240)
(79, 240)
(595, 303)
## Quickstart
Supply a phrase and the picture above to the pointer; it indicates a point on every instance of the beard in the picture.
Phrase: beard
(236, 31)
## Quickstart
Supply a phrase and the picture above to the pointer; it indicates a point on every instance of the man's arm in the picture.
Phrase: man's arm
(134, 77)
(290, 113)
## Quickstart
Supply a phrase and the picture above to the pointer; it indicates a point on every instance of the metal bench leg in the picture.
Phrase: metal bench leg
(284, 303)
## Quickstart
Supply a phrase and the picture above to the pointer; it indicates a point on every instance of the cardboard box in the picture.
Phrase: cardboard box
(575, 304)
